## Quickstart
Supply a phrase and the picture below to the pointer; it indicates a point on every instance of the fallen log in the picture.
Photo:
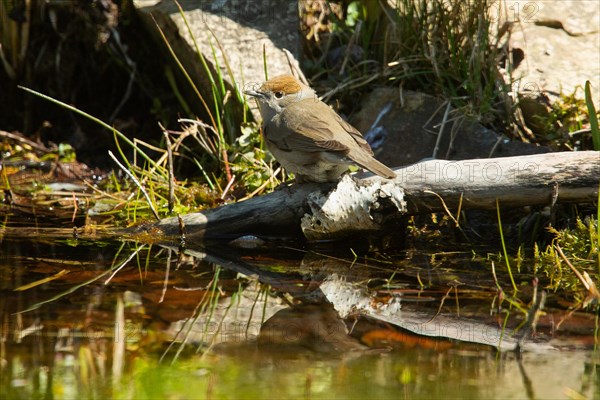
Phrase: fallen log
(325, 211)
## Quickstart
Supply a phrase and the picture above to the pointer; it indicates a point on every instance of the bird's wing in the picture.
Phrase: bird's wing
(314, 133)
(355, 134)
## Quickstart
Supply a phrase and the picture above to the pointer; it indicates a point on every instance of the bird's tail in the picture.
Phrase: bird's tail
(370, 163)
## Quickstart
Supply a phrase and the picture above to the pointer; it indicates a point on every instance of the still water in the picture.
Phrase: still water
(96, 317)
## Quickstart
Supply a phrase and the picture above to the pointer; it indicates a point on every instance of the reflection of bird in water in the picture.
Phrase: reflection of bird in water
(315, 327)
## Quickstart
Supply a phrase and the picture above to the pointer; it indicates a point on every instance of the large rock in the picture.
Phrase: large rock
(560, 41)
(241, 33)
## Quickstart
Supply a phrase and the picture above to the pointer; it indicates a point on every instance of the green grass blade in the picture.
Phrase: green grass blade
(265, 62)
(94, 119)
(185, 73)
(505, 252)
(598, 228)
(592, 115)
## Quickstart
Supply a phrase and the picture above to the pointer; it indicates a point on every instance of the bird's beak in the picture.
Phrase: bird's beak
(253, 93)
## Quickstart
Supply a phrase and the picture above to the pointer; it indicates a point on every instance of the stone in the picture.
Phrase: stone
(403, 128)
(560, 41)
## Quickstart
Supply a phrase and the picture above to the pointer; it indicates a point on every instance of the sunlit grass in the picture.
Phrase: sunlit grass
(449, 48)
(581, 247)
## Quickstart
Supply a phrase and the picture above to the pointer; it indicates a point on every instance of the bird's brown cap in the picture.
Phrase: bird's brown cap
(284, 83)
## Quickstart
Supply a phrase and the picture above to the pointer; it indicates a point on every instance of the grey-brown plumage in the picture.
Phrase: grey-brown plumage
(307, 137)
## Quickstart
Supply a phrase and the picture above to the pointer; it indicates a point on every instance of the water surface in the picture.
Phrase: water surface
(99, 317)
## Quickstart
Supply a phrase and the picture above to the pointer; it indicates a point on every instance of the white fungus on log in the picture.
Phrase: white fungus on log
(349, 207)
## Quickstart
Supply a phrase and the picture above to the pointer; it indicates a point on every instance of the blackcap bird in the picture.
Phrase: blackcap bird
(307, 137)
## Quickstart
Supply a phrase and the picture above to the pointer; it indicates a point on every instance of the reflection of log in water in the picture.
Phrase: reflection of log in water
(373, 203)
(348, 298)
(323, 299)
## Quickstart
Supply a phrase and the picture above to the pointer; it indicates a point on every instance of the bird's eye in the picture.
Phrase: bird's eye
(279, 94)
